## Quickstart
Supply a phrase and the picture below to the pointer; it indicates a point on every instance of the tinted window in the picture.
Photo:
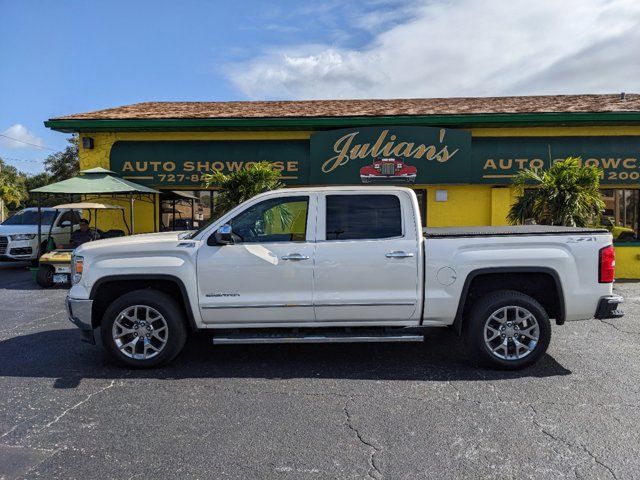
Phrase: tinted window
(281, 219)
(30, 217)
(352, 217)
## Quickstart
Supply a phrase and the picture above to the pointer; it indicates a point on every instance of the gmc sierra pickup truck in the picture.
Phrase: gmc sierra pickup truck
(345, 264)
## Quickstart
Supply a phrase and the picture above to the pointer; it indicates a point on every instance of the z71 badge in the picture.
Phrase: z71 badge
(581, 239)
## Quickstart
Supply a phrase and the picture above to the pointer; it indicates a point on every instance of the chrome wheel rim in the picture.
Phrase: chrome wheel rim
(511, 333)
(140, 332)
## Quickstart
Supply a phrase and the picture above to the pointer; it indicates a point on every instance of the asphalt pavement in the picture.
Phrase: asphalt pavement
(313, 411)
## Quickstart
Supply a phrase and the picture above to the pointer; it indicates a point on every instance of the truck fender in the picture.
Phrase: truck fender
(462, 303)
(184, 301)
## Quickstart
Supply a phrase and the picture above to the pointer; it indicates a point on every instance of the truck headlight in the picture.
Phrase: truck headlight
(22, 236)
(77, 267)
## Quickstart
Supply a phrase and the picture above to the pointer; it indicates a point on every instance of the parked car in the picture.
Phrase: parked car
(19, 233)
(342, 264)
(388, 170)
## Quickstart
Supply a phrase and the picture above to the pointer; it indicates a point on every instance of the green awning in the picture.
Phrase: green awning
(94, 181)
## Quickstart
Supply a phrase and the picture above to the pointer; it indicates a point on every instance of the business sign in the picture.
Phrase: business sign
(396, 155)
(375, 155)
(183, 163)
(498, 160)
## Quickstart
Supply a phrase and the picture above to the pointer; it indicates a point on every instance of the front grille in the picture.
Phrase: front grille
(388, 168)
(21, 251)
(3, 245)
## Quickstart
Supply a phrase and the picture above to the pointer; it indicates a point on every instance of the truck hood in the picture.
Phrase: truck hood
(145, 241)
(16, 229)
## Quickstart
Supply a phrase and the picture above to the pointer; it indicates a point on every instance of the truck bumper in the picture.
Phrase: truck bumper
(608, 307)
(79, 312)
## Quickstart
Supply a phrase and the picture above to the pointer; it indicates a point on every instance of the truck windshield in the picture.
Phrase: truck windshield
(30, 217)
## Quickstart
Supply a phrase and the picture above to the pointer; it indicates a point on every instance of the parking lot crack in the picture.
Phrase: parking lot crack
(618, 328)
(12, 429)
(81, 402)
(28, 324)
(374, 471)
(580, 446)
(599, 462)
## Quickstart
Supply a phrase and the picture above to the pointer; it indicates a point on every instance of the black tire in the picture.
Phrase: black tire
(484, 308)
(44, 277)
(166, 307)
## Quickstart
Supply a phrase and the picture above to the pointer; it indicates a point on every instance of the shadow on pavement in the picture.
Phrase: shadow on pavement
(13, 265)
(59, 354)
(16, 276)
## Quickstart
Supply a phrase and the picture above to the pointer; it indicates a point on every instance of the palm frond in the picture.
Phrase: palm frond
(241, 185)
(565, 194)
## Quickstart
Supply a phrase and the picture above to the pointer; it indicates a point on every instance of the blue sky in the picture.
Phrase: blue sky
(65, 56)
(60, 57)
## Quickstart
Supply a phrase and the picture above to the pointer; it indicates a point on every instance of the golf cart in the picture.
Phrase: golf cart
(55, 265)
(94, 184)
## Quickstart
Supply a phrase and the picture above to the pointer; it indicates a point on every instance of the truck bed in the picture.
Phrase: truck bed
(507, 231)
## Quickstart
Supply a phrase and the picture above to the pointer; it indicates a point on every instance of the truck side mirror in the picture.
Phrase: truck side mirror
(224, 235)
(65, 224)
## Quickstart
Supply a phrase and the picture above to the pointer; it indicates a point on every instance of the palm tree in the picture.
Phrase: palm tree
(565, 194)
(243, 184)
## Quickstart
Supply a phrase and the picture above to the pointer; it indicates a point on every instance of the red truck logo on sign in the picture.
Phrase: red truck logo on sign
(388, 170)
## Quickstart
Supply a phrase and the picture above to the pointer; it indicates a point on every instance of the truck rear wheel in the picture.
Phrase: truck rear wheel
(508, 330)
(143, 329)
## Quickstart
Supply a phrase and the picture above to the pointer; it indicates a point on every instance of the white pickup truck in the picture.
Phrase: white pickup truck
(340, 265)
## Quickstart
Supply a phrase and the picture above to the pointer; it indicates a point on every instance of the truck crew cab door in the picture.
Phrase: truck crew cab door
(266, 275)
(367, 258)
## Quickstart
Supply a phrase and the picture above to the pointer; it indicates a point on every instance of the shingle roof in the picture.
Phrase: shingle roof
(367, 108)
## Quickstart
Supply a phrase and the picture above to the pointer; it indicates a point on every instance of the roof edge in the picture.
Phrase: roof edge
(460, 120)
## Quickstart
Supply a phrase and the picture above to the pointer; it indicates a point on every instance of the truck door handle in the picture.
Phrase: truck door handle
(398, 254)
(295, 256)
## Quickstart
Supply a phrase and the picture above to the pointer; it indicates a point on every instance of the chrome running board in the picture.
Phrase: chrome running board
(264, 338)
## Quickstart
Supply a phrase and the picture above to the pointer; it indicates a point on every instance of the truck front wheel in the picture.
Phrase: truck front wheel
(508, 330)
(143, 329)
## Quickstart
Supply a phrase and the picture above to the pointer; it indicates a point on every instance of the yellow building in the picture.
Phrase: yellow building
(458, 154)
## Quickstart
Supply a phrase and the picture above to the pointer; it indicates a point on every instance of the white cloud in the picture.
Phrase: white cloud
(465, 48)
(23, 138)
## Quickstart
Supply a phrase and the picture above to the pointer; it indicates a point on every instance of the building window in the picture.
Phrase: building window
(621, 213)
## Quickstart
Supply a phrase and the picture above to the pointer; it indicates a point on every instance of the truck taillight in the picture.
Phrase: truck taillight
(607, 264)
